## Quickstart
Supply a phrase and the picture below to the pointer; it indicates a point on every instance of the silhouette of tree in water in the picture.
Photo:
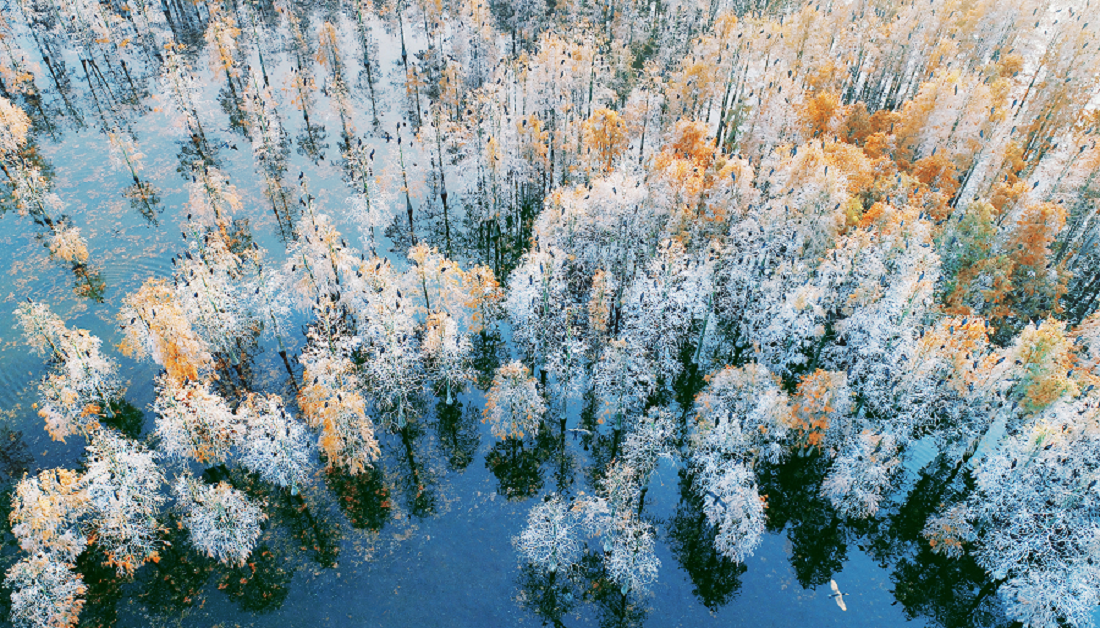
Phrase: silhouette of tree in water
(614, 608)
(518, 470)
(952, 593)
(168, 587)
(819, 544)
(550, 595)
(261, 585)
(364, 498)
(716, 578)
(458, 433)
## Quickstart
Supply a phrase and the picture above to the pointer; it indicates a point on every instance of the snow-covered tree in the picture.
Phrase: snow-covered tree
(223, 523)
(272, 443)
(550, 538)
(193, 421)
(45, 593)
(514, 407)
(447, 354)
(123, 483)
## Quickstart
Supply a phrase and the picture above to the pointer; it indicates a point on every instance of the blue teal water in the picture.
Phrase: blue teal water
(425, 540)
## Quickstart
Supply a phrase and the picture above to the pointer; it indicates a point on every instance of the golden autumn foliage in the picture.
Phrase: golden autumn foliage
(819, 399)
(605, 138)
(157, 327)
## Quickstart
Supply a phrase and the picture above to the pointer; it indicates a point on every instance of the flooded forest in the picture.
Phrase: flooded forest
(567, 313)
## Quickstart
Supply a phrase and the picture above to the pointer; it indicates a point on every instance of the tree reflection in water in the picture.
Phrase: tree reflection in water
(364, 498)
(716, 579)
(819, 544)
(458, 432)
(518, 469)
(261, 585)
(614, 608)
(550, 595)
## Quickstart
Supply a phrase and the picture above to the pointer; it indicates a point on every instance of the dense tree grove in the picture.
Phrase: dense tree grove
(743, 237)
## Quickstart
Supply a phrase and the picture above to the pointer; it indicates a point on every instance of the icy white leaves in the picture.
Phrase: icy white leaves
(861, 474)
(733, 505)
(447, 354)
(45, 593)
(82, 382)
(274, 445)
(222, 521)
(1032, 519)
(550, 538)
(123, 483)
(743, 417)
(514, 406)
(193, 422)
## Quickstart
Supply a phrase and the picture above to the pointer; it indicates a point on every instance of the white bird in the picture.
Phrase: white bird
(838, 595)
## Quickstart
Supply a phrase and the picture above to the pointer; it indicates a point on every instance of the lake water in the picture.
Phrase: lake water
(425, 539)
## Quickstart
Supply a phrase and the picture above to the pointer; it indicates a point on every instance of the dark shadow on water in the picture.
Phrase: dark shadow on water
(551, 596)
(457, 428)
(716, 579)
(363, 498)
(614, 608)
(518, 470)
(105, 589)
(488, 350)
(15, 459)
(261, 585)
(175, 583)
(124, 417)
(414, 477)
(819, 543)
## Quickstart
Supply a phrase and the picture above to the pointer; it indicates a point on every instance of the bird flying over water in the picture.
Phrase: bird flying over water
(837, 595)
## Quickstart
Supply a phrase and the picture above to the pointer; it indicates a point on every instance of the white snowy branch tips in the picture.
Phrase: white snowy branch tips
(514, 406)
(1032, 519)
(192, 421)
(861, 474)
(447, 353)
(82, 383)
(124, 483)
(743, 417)
(46, 511)
(631, 562)
(274, 444)
(222, 521)
(45, 593)
(550, 538)
(733, 506)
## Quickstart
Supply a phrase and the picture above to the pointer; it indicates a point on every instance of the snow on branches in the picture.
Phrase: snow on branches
(514, 407)
(223, 523)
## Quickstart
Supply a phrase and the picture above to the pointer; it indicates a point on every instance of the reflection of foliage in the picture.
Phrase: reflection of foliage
(104, 589)
(124, 417)
(143, 199)
(311, 142)
(15, 460)
(364, 498)
(549, 595)
(951, 592)
(488, 347)
(615, 608)
(89, 283)
(716, 578)
(260, 586)
(518, 470)
(174, 582)
(817, 536)
(948, 591)
(196, 149)
(414, 478)
(458, 433)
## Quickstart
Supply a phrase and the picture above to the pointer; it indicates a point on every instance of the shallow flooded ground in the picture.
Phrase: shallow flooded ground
(425, 537)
